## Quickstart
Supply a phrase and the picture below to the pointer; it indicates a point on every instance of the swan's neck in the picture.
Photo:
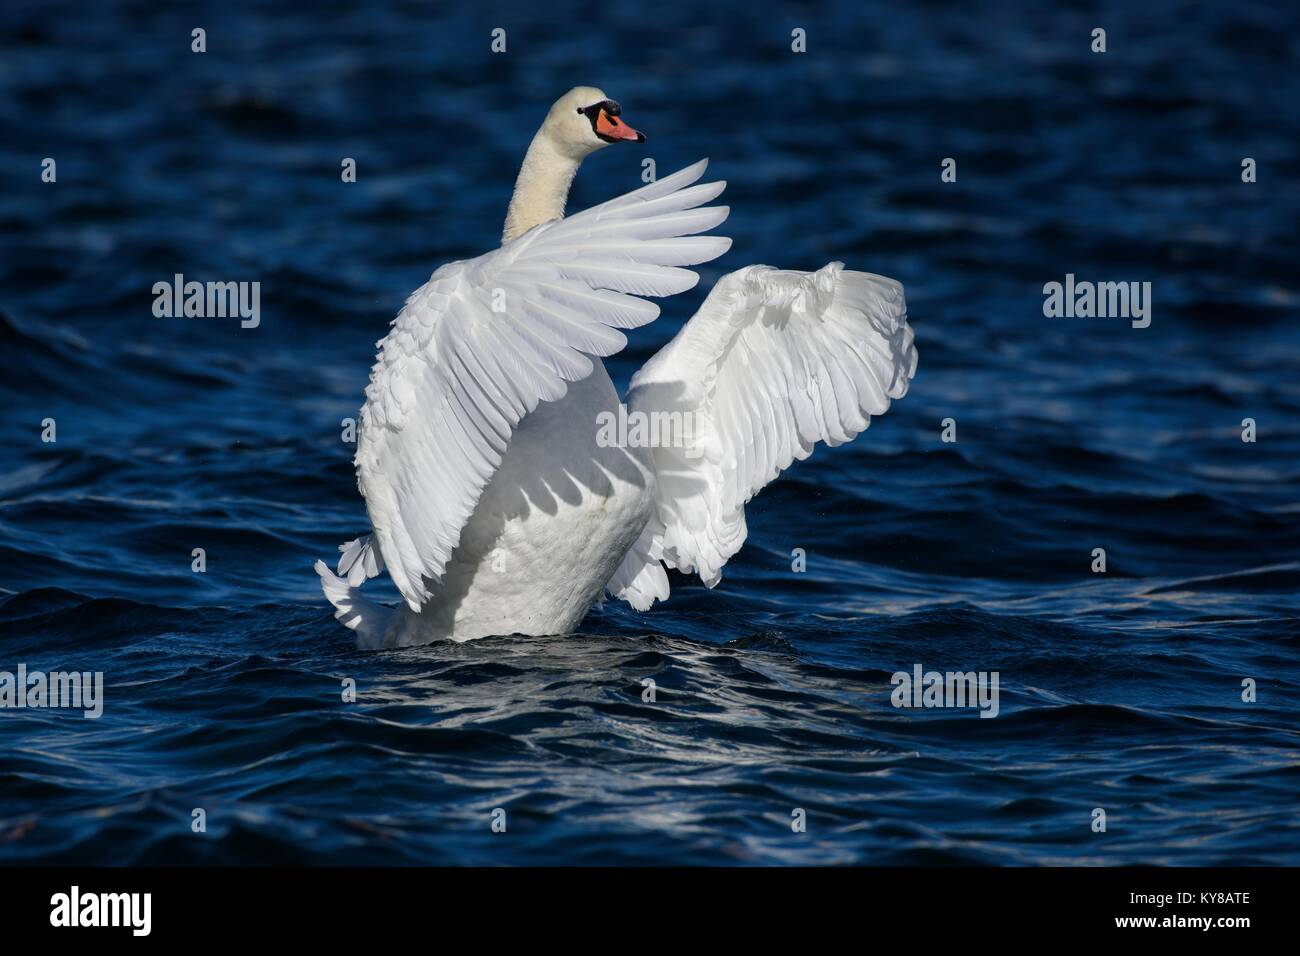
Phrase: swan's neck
(542, 187)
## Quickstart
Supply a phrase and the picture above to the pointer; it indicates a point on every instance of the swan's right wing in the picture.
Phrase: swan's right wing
(483, 341)
(773, 363)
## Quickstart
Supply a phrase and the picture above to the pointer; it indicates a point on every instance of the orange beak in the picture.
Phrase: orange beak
(611, 127)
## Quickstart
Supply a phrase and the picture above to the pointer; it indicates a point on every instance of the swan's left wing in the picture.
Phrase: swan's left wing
(484, 341)
(773, 363)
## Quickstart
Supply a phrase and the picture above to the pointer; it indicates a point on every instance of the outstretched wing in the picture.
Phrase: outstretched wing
(773, 363)
(483, 341)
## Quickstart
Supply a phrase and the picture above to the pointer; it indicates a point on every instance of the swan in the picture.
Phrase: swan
(509, 489)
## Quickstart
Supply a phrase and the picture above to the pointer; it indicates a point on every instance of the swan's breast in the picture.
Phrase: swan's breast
(552, 525)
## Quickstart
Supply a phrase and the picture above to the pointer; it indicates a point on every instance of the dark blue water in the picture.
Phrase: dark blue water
(1120, 691)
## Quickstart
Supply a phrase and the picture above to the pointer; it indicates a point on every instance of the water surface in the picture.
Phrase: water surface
(1120, 691)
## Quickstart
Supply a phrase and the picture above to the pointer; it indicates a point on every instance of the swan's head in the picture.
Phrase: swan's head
(584, 120)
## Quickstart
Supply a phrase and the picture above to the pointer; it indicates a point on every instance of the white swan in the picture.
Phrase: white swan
(498, 500)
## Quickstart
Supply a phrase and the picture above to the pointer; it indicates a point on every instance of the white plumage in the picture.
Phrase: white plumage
(455, 375)
(773, 363)
(495, 508)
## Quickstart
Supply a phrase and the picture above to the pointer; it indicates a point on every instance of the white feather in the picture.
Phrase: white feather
(454, 376)
(773, 363)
